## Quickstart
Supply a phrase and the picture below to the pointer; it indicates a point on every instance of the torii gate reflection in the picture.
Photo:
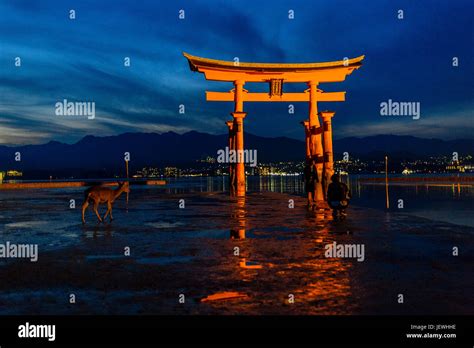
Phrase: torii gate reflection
(318, 137)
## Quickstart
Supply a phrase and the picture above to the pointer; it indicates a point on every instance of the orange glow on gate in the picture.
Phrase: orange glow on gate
(318, 134)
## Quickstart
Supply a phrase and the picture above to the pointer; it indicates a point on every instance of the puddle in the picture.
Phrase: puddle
(164, 224)
(164, 260)
(26, 224)
(105, 257)
(244, 263)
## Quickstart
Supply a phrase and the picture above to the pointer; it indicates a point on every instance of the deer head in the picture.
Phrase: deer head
(124, 187)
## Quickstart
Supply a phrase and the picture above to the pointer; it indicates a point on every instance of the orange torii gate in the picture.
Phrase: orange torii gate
(318, 138)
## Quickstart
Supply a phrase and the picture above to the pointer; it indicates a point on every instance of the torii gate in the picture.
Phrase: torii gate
(318, 139)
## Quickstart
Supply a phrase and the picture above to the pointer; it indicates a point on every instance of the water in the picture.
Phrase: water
(436, 201)
(191, 251)
(46, 211)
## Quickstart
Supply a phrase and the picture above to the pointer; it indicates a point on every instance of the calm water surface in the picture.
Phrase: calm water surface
(191, 251)
(444, 202)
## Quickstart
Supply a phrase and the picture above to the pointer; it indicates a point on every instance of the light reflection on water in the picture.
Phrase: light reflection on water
(192, 250)
(453, 203)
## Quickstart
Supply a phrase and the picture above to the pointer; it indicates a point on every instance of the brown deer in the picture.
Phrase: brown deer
(101, 194)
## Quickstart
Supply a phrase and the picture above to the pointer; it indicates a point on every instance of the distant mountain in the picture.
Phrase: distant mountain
(104, 155)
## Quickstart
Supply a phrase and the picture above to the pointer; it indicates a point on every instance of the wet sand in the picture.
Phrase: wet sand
(191, 251)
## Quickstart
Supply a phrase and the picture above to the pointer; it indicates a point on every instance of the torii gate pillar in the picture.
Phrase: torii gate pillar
(316, 145)
(239, 147)
(239, 116)
(328, 151)
(232, 181)
(307, 136)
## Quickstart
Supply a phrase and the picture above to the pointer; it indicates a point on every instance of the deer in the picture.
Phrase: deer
(101, 194)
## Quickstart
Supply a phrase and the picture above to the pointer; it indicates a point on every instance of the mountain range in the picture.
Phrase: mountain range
(96, 155)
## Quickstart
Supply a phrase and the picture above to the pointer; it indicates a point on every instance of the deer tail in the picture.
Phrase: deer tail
(86, 195)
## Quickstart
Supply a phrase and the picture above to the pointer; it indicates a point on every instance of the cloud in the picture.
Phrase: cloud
(82, 60)
(447, 125)
(18, 136)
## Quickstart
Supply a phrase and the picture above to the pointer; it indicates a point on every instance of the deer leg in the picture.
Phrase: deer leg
(109, 210)
(96, 205)
(84, 207)
(106, 213)
(111, 217)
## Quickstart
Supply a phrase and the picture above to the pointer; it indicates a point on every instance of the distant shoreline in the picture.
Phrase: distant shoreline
(464, 180)
(73, 183)
(421, 179)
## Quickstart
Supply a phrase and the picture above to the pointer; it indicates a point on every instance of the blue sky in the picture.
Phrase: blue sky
(82, 60)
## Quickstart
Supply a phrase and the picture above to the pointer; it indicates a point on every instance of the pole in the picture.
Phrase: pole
(126, 171)
(387, 202)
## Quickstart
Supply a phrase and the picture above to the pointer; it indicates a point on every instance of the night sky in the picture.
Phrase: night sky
(407, 59)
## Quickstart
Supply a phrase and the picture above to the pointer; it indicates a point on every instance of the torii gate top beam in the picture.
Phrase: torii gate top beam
(220, 70)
